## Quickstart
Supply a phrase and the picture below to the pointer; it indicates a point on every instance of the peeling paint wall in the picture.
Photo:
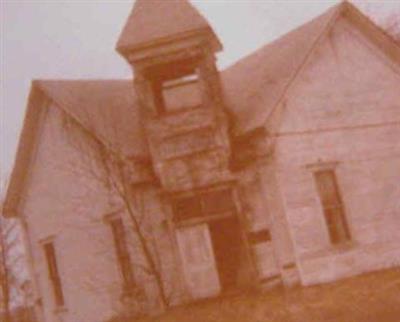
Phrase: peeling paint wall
(66, 204)
(344, 110)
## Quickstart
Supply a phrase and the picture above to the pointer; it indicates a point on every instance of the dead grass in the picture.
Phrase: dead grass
(373, 297)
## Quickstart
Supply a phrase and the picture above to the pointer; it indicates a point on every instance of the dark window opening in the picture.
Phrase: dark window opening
(204, 204)
(122, 253)
(172, 70)
(175, 86)
(260, 236)
(159, 101)
(53, 273)
(247, 148)
(332, 206)
(187, 207)
(219, 201)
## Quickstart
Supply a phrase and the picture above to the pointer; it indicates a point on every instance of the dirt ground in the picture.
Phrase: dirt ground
(373, 297)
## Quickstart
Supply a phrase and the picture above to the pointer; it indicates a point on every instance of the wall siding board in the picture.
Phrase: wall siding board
(342, 112)
(65, 203)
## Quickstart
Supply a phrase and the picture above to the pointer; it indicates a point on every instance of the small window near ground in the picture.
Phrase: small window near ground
(54, 273)
(217, 202)
(332, 206)
(257, 237)
(122, 253)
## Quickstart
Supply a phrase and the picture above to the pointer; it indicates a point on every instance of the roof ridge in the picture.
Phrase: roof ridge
(340, 10)
(336, 12)
(272, 66)
(354, 10)
(70, 113)
(69, 108)
(259, 49)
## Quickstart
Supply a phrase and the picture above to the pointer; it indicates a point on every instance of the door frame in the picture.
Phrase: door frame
(174, 225)
(187, 270)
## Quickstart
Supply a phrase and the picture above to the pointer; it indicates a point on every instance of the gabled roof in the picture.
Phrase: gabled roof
(253, 87)
(26, 144)
(156, 20)
(106, 108)
(262, 77)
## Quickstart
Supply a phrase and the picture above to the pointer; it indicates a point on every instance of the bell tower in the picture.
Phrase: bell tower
(171, 49)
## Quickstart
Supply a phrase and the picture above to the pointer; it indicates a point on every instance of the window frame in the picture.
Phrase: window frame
(181, 84)
(200, 198)
(163, 77)
(332, 221)
(259, 236)
(122, 253)
(53, 272)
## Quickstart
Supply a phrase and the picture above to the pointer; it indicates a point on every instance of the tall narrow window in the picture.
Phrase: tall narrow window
(122, 252)
(332, 206)
(53, 273)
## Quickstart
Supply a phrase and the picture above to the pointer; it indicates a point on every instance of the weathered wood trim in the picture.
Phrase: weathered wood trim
(280, 104)
(26, 150)
(281, 202)
(180, 193)
(377, 36)
(335, 129)
(270, 279)
(347, 215)
(201, 220)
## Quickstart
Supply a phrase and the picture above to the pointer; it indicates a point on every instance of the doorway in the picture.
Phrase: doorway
(226, 241)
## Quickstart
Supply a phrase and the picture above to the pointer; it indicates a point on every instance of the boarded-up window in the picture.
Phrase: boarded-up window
(53, 273)
(122, 252)
(332, 206)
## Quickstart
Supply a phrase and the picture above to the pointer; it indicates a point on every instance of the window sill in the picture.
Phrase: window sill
(176, 111)
(202, 219)
(343, 247)
(331, 250)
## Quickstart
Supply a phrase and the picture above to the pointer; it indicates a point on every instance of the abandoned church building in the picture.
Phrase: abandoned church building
(186, 182)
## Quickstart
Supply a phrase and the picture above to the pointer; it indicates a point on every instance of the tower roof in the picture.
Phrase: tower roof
(154, 21)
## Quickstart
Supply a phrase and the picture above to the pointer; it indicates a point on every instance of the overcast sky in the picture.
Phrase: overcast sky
(76, 39)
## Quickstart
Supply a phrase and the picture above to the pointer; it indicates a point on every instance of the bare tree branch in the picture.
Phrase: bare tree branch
(108, 167)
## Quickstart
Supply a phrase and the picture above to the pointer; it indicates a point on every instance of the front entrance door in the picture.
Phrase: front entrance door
(226, 240)
(212, 256)
(198, 261)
